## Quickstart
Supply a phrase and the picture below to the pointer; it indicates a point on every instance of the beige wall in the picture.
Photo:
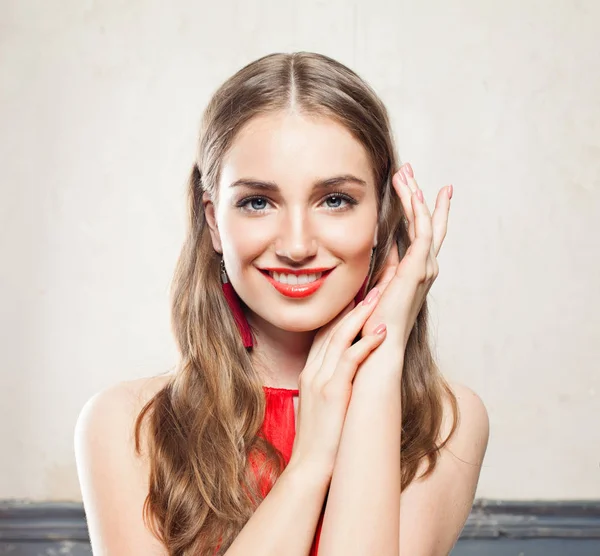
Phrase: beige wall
(100, 103)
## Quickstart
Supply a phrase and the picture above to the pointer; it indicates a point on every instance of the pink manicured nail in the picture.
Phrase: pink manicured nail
(403, 177)
(420, 195)
(380, 329)
(409, 170)
(372, 295)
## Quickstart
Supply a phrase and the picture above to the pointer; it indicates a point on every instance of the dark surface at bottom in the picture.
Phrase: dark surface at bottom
(495, 547)
(527, 547)
(64, 548)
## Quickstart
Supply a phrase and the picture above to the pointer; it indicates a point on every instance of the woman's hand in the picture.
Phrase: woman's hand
(325, 384)
(404, 284)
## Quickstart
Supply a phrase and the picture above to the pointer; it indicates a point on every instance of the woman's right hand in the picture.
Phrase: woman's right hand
(325, 384)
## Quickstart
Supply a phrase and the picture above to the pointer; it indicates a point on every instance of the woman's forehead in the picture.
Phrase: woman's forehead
(293, 147)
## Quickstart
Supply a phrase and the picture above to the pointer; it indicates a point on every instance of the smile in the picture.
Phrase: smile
(293, 279)
(292, 285)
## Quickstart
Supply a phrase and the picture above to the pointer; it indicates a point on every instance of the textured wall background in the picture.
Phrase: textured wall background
(100, 104)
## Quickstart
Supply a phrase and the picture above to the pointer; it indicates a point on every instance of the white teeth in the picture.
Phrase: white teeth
(292, 279)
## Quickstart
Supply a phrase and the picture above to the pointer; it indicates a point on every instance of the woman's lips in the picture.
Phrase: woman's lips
(297, 290)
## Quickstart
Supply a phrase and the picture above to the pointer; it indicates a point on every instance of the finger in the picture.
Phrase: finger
(404, 192)
(414, 186)
(321, 339)
(344, 336)
(352, 358)
(421, 247)
(439, 220)
(410, 177)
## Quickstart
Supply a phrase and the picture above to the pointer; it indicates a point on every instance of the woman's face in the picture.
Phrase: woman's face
(290, 221)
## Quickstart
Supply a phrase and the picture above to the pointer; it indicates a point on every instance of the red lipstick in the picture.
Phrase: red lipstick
(297, 290)
(296, 272)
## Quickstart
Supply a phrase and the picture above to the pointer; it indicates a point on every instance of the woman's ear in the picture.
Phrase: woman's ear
(211, 220)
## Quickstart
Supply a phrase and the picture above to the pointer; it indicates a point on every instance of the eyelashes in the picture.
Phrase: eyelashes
(244, 203)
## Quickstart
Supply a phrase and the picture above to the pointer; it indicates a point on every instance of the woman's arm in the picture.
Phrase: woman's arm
(362, 516)
(114, 485)
(363, 505)
(286, 520)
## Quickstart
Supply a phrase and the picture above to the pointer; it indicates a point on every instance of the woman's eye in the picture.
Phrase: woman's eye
(258, 203)
(252, 204)
(336, 198)
(335, 201)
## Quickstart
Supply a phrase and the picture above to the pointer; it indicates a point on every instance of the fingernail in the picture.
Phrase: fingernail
(420, 195)
(409, 170)
(450, 191)
(380, 329)
(403, 177)
(372, 295)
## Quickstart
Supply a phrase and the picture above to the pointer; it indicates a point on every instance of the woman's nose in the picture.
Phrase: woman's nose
(295, 240)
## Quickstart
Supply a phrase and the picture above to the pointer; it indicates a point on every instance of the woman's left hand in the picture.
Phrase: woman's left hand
(404, 284)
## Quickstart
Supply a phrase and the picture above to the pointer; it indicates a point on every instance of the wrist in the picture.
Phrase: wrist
(309, 474)
(385, 359)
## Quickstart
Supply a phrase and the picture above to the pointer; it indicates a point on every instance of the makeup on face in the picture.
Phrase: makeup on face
(296, 284)
(298, 201)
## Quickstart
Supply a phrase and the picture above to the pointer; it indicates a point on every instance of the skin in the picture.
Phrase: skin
(295, 227)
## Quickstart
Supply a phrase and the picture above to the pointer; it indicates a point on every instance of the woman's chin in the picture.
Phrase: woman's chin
(303, 323)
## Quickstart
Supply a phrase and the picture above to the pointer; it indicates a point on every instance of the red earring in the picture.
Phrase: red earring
(233, 301)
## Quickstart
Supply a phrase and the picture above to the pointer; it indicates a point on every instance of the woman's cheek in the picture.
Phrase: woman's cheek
(239, 232)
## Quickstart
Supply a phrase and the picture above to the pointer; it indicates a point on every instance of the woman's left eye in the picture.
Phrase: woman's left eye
(340, 197)
(337, 197)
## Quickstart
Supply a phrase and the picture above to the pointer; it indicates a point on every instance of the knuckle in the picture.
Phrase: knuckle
(331, 391)
(346, 357)
(432, 272)
(422, 276)
(304, 380)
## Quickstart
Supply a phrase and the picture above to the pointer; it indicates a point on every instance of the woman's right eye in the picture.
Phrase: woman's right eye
(260, 201)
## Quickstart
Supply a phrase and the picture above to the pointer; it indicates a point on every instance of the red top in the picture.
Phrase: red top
(279, 427)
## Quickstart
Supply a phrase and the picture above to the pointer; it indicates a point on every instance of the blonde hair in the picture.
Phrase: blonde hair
(202, 427)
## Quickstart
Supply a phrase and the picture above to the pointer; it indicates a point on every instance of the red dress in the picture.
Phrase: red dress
(279, 427)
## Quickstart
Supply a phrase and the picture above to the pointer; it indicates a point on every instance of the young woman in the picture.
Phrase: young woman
(307, 413)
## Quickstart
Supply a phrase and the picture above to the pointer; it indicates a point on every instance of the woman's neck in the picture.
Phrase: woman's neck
(280, 355)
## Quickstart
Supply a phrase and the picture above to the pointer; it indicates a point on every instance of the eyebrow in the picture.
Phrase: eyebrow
(327, 183)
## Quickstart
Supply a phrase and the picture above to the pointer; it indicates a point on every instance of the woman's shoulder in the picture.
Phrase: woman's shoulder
(116, 407)
(112, 474)
(130, 395)
(140, 390)
(473, 425)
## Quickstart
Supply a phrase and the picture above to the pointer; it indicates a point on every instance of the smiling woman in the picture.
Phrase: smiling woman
(317, 207)
(300, 405)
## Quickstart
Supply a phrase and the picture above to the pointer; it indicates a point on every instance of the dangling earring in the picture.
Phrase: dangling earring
(233, 301)
(363, 289)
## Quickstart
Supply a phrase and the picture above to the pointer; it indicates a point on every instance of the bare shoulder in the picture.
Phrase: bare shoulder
(118, 405)
(473, 427)
(113, 478)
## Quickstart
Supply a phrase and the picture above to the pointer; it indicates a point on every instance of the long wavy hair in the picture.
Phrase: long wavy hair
(202, 428)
